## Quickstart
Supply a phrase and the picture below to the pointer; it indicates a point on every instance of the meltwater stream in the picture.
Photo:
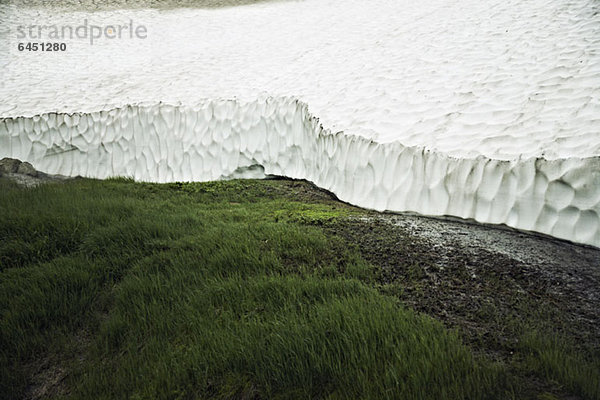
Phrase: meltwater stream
(478, 109)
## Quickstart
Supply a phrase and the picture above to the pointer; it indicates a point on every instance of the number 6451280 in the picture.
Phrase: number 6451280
(45, 46)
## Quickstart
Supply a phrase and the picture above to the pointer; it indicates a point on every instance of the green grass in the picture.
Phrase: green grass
(218, 290)
(555, 358)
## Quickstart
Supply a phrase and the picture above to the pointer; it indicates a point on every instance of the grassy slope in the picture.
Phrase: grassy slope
(117, 289)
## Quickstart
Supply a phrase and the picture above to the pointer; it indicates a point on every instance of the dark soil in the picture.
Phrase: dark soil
(488, 281)
(491, 283)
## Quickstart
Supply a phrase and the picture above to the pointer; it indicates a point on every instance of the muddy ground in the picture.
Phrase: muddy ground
(493, 284)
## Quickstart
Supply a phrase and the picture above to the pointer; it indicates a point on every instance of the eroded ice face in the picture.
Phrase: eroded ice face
(503, 79)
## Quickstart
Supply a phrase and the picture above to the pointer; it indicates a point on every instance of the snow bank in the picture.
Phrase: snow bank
(485, 109)
(219, 139)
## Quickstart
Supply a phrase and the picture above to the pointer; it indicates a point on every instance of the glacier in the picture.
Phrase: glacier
(487, 110)
(217, 139)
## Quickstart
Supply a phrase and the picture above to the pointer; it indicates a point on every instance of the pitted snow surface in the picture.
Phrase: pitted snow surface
(479, 109)
(497, 78)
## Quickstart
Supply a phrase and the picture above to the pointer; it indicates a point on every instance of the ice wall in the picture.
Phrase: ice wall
(219, 138)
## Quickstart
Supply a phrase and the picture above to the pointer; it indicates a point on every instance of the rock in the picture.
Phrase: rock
(25, 175)
(9, 165)
(26, 169)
